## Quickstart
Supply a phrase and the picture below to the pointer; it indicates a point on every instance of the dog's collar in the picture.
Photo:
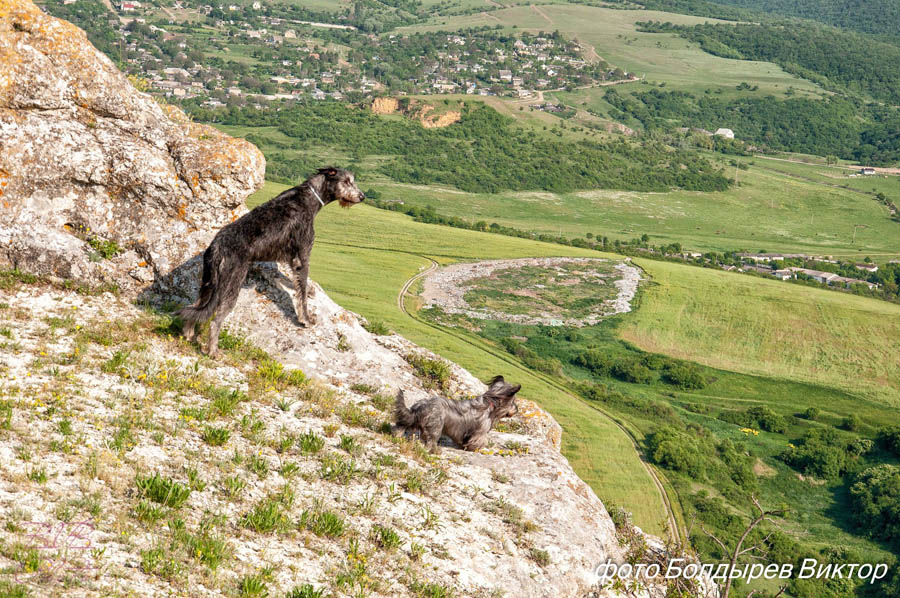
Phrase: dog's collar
(316, 193)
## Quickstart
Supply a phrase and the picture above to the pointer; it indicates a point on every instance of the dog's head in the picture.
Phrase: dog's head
(502, 397)
(340, 185)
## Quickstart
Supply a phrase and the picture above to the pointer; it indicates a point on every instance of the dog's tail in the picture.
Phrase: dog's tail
(402, 414)
(209, 290)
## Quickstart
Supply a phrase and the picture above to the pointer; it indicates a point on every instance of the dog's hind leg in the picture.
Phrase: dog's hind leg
(189, 329)
(229, 297)
(300, 268)
(430, 436)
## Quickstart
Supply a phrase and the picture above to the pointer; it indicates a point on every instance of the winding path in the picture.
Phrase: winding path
(675, 532)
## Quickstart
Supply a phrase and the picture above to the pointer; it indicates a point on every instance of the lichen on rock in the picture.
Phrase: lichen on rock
(85, 156)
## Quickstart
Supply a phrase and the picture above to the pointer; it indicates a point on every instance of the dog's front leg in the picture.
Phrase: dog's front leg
(300, 268)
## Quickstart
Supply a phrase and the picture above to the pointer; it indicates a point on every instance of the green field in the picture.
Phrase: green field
(362, 258)
(770, 210)
(766, 327)
(614, 37)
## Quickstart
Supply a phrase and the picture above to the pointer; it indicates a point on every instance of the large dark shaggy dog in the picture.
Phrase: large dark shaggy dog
(280, 230)
(466, 423)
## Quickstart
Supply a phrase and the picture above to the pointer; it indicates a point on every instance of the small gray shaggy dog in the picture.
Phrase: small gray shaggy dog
(466, 423)
(280, 230)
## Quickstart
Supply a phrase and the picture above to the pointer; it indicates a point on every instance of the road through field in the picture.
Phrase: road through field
(676, 533)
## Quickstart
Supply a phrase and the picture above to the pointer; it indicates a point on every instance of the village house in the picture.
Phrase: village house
(817, 275)
(785, 274)
(505, 75)
(726, 133)
(872, 268)
(867, 171)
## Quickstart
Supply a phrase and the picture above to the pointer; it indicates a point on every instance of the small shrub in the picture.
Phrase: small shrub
(306, 591)
(541, 557)
(632, 370)
(311, 443)
(686, 377)
(233, 486)
(812, 414)
(343, 345)
(385, 538)
(366, 389)
(376, 327)
(337, 469)
(889, 438)
(162, 490)
(322, 523)
(215, 436)
(851, 423)
(37, 475)
(224, 401)
(207, 548)
(350, 444)
(258, 465)
(13, 590)
(434, 373)
(105, 249)
(253, 586)
(148, 513)
(6, 412)
(267, 516)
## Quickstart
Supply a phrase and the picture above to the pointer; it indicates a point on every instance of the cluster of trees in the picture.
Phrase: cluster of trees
(375, 16)
(641, 369)
(758, 418)
(826, 453)
(876, 502)
(482, 153)
(696, 452)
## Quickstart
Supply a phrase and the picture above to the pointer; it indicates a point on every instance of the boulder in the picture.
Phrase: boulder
(100, 183)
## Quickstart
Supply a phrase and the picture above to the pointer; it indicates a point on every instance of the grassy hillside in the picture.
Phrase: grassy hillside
(775, 207)
(762, 326)
(362, 258)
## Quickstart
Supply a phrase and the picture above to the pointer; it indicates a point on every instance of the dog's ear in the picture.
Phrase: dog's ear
(330, 171)
(496, 382)
(514, 389)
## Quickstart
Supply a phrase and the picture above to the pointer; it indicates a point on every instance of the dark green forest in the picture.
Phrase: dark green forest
(868, 16)
(483, 152)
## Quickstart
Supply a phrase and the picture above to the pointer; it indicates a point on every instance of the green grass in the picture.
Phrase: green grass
(766, 327)
(775, 211)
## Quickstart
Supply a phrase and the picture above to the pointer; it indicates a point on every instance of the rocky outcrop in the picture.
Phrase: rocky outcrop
(99, 182)
(385, 105)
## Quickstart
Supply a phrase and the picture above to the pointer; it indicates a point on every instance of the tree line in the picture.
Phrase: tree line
(482, 153)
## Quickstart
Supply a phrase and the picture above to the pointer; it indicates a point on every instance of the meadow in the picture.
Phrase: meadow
(769, 209)
(765, 327)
